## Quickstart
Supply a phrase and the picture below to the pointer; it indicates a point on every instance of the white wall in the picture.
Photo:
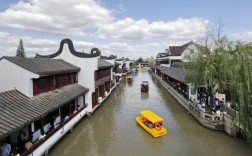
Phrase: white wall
(175, 57)
(86, 75)
(127, 64)
(165, 65)
(193, 96)
(190, 51)
(80, 101)
(13, 76)
(112, 61)
(121, 63)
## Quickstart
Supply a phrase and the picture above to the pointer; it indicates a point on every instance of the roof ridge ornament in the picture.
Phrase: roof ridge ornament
(95, 52)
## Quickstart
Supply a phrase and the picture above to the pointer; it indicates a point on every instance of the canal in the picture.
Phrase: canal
(112, 129)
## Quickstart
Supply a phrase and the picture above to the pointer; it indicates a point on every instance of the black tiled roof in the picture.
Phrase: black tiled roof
(102, 64)
(15, 112)
(178, 50)
(43, 66)
(94, 51)
(116, 63)
(176, 73)
(111, 57)
(18, 110)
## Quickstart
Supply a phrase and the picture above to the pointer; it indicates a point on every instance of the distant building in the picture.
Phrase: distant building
(125, 65)
(177, 54)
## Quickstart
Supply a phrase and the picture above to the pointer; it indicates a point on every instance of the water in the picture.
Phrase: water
(112, 130)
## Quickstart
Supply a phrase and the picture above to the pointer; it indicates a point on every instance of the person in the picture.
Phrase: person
(146, 121)
(75, 110)
(214, 102)
(150, 125)
(28, 144)
(217, 115)
(21, 138)
(42, 135)
(199, 106)
(222, 104)
(52, 123)
(217, 106)
(190, 99)
(66, 118)
(5, 149)
(16, 153)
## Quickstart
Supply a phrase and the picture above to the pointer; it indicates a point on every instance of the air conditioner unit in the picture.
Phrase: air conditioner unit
(99, 99)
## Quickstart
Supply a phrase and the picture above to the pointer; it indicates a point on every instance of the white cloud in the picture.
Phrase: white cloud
(47, 46)
(119, 9)
(130, 29)
(74, 17)
(56, 17)
(79, 17)
(34, 45)
(243, 36)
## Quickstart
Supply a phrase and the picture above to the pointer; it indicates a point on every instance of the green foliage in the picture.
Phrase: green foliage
(20, 50)
(210, 70)
(227, 67)
(241, 87)
(151, 60)
(140, 60)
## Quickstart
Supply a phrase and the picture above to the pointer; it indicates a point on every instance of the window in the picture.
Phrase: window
(193, 90)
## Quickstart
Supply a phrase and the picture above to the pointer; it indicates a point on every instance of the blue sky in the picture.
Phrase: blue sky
(134, 28)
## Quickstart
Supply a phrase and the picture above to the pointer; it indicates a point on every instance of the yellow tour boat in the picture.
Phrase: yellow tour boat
(152, 123)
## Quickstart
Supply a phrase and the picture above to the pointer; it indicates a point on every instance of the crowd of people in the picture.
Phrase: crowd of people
(15, 149)
(25, 142)
(204, 104)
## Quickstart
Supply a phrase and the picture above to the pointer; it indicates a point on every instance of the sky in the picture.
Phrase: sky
(132, 28)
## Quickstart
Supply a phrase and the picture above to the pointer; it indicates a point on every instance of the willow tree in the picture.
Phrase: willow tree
(211, 70)
(241, 88)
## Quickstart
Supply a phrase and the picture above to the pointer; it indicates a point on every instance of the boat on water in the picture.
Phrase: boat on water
(144, 86)
(152, 123)
(130, 79)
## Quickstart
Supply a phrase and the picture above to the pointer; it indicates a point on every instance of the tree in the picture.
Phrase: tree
(140, 60)
(228, 67)
(151, 60)
(20, 50)
(241, 87)
(211, 71)
(210, 67)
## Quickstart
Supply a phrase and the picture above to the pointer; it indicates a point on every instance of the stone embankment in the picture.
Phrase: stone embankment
(224, 121)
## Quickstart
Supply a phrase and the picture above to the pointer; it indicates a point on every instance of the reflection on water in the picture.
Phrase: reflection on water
(144, 95)
(112, 129)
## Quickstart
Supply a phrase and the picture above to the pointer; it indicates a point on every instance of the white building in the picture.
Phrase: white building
(37, 94)
(177, 54)
(89, 64)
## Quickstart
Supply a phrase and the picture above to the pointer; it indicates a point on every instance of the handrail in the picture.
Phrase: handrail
(41, 141)
(194, 108)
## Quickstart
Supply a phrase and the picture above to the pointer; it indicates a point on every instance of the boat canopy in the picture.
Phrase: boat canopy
(152, 117)
(145, 82)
